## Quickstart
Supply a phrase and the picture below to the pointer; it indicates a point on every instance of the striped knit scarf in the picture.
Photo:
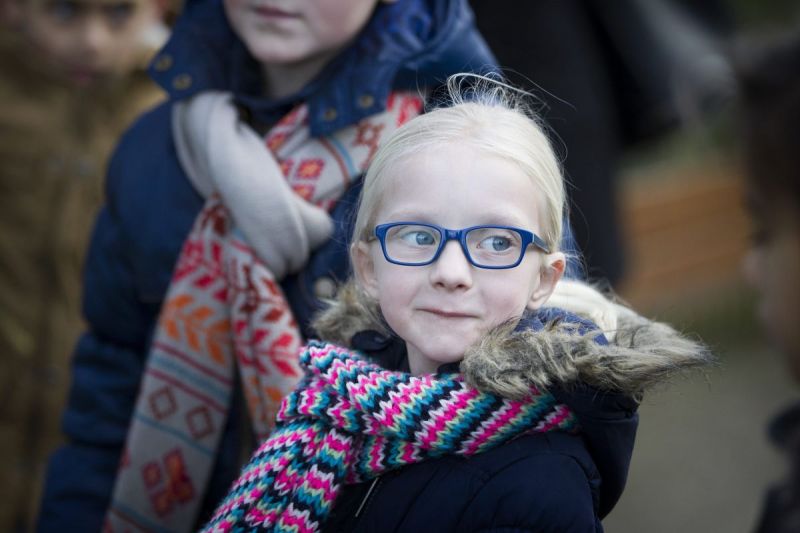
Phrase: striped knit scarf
(224, 313)
(350, 420)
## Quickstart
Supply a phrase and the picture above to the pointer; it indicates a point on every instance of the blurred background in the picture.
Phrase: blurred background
(639, 95)
(702, 461)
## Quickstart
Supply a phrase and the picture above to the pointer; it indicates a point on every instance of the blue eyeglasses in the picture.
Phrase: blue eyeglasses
(418, 244)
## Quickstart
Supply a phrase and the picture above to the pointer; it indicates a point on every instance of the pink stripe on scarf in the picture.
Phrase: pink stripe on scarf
(560, 414)
(490, 429)
(447, 413)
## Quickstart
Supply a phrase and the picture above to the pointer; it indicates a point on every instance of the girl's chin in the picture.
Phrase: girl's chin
(432, 361)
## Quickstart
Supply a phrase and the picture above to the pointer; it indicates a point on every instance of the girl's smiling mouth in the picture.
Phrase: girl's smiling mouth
(272, 12)
(447, 314)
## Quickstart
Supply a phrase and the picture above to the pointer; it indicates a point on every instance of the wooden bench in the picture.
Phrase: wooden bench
(686, 231)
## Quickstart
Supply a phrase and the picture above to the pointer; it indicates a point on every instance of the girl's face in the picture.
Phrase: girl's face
(772, 266)
(442, 308)
(296, 37)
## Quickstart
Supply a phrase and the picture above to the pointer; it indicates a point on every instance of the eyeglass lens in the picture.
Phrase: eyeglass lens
(486, 246)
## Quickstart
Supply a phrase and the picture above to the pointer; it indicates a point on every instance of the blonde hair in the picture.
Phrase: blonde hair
(493, 118)
(489, 116)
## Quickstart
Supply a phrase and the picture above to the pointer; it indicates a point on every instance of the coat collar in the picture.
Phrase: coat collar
(554, 348)
(389, 351)
(407, 44)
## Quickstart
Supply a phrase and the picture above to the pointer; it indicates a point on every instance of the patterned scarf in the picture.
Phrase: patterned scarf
(350, 420)
(266, 209)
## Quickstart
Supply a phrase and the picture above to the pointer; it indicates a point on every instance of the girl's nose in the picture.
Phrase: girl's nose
(452, 270)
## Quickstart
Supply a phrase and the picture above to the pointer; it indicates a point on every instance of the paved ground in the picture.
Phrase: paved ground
(702, 461)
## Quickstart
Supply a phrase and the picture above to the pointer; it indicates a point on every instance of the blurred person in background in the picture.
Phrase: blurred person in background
(611, 76)
(73, 79)
(770, 95)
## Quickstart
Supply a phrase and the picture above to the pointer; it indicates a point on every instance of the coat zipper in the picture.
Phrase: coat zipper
(367, 496)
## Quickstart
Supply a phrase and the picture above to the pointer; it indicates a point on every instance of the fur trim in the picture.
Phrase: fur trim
(350, 312)
(642, 353)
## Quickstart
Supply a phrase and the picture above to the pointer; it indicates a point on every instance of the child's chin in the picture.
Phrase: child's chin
(453, 354)
(88, 79)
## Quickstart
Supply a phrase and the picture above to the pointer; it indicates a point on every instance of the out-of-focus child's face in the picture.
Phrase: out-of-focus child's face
(292, 32)
(442, 308)
(89, 41)
(772, 266)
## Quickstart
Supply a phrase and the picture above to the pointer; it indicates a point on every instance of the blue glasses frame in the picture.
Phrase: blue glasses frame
(460, 235)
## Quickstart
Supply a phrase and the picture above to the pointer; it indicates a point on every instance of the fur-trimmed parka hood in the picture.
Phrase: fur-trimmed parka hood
(639, 354)
(559, 349)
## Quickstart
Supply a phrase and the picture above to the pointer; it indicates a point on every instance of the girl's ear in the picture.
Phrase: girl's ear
(553, 267)
(364, 268)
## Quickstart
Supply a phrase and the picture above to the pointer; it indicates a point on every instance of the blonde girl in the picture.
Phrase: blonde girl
(448, 396)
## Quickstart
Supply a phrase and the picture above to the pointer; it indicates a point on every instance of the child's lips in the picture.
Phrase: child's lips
(85, 76)
(442, 313)
(272, 12)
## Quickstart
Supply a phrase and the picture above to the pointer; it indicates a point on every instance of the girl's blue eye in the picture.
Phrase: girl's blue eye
(499, 244)
(419, 238)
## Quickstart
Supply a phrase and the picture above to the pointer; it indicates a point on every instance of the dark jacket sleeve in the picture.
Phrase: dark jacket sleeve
(608, 422)
(106, 369)
(548, 492)
(109, 358)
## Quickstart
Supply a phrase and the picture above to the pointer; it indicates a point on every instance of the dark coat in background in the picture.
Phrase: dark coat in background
(781, 510)
(607, 80)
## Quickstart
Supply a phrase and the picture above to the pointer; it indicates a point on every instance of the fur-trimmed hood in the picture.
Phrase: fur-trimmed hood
(560, 352)
(640, 353)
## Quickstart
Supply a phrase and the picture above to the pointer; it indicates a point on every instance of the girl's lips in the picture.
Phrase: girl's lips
(448, 314)
(272, 12)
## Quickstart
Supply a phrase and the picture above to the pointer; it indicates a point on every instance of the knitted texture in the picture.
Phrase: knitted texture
(351, 420)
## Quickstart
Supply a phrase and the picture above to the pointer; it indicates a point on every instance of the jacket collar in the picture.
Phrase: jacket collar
(406, 45)
(566, 351)
(553, 350)
(389, 350)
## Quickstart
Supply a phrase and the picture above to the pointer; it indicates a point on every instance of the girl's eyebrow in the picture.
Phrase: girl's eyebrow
(489, 217)
(502, 218)
(411, 215)
(476, 222)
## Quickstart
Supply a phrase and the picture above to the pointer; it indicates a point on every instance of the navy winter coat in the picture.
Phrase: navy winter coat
(552, 482)
(151, 206)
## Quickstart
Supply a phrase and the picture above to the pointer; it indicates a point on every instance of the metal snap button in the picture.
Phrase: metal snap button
(163, 62)
(182, 82)
(366, 100)
(330, 114)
